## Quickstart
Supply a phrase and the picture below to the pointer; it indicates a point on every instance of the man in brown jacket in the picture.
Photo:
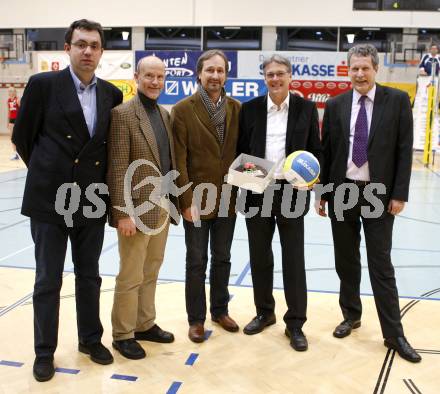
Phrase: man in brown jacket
(140, 145)
(205, 128)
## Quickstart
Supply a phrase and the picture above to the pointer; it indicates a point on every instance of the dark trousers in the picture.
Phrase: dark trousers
(378, 239)
(218, 232)
(260, 234)
(50, 251)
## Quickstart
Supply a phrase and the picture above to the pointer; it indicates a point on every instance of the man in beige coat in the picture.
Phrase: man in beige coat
(205, 127)
(140, 145)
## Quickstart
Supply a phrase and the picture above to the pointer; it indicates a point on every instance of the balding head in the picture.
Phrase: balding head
(150, 76)
(149, 61)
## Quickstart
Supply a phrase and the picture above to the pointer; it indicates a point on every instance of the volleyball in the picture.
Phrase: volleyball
(301, 169)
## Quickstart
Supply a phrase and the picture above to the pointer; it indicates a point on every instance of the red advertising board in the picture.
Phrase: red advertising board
(319, 91)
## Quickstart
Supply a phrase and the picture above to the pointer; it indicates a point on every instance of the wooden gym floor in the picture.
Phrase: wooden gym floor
(233, 362)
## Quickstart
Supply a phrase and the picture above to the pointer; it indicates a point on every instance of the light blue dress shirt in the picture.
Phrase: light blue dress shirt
(87, 99)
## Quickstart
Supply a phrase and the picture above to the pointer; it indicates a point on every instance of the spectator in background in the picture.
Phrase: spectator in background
(13, 107)
(428, 60)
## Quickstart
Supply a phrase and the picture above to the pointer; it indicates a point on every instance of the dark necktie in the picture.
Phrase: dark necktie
(360, 141)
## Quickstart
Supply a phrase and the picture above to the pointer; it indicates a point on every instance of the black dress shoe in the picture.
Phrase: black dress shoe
(344, 329)
(259, 323)
(154, 334)
(405, 350)
(129, 348)
(297, 339)
(98, 352)
(43, 369)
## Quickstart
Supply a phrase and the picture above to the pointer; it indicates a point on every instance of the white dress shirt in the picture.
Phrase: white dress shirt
(353, 172)
(276, 133)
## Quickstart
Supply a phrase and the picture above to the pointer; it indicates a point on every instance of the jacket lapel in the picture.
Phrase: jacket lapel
(261, 128)
(378, 108)
(166, 122)
(145, 126)
(103, 107)
(68, 99)
(346, 117)
(295, 108)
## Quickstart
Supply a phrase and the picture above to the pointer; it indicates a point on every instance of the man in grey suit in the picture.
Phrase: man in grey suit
(367, 139)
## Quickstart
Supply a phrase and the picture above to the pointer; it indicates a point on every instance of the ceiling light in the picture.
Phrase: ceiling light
(350, 38)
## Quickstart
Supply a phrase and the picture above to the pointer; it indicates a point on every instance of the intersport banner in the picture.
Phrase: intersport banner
(182, 64)
(114, 65)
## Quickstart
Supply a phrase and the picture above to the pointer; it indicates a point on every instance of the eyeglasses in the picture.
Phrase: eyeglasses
(279, 74)
(151, 77)
(82, 45)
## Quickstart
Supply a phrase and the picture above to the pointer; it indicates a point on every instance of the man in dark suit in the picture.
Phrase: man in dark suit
(61, 134)
(272, 127)
(367, 138)
(205, 128)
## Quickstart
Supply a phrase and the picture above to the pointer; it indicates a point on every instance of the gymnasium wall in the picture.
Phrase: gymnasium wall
(53, 13)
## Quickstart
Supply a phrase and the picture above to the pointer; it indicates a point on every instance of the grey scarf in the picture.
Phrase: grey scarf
(217, 113)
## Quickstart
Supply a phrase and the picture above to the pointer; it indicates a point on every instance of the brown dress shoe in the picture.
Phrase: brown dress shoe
(196, 333)
(227, 323)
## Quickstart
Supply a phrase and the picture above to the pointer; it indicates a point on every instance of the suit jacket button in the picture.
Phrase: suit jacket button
(69, 136)
(76, 161)
(97, 163)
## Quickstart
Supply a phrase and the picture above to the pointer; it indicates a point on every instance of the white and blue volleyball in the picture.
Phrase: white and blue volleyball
(301, 168)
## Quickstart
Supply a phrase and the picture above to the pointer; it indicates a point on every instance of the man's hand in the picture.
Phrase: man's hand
(306, 188)
(191, 214)
(126, 227)
(320, 207)
(422, 72)
(395, 207)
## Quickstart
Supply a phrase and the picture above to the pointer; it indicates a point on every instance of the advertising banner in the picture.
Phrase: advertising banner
(319, 91)
(113, 64)
(305, 65)
(127, 87)
(182, 64)
(240, 89)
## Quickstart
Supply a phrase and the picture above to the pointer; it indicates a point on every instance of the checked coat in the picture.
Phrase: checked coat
(131, 137)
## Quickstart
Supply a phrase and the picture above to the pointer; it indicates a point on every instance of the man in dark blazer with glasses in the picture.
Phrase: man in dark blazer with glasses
(271, 127)
(61, 135)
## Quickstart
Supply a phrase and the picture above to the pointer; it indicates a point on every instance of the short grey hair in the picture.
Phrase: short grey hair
(278, 59)
(364, 50)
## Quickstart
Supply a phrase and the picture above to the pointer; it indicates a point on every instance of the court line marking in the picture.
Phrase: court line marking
(243, 273)
(11, 363)
(13, 224)
(67, 370)
(175, 386)
(170, 280)
(381, 384)
(191, 359)
(128, 378)
(17, 252)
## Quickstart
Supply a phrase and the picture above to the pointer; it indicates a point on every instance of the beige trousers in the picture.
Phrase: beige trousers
(141, 257)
